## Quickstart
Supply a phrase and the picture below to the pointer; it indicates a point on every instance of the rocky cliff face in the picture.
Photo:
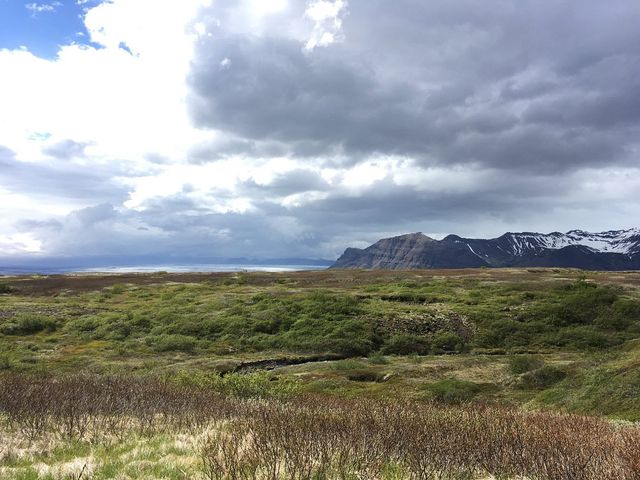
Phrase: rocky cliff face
(612, 250)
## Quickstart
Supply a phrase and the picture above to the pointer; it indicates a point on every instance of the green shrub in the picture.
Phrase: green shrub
(118, 288)
(579, 304)
(351, 337)
(355, 347)
(173, 343)
(5, 362)
(82, 325)
(378, 359)
(542, 377)
(452, 391)
(448, 342)
(622, 314)
(4, 288)
(196, 328)
(406, 344)
(322, 304)
(584, 337)
(10, 329)
(119, 330)
(28, 325)
(524, 363)
(579, 316)
(32, 324)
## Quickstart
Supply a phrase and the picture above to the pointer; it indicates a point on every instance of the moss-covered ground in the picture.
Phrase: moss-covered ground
(411, 333)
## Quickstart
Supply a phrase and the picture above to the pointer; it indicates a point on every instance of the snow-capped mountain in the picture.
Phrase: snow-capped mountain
(612, 250)
(614, 241)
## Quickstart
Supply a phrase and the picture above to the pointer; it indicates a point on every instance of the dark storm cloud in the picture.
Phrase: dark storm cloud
(59, 179)
(178, 225)
(274, 90)
(388, 204)
(96, 214)
(525, 85)
(228, 147)
(170, 228)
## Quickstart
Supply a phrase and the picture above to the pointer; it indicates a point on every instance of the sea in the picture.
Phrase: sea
(203, 268)
(172, 268)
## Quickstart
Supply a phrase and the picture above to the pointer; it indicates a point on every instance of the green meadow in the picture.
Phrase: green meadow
(538, 340)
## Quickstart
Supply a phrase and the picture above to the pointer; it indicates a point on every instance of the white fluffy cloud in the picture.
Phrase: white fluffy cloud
(126, 98)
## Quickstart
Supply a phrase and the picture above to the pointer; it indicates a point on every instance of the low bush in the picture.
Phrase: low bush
(448, 342)
(579, 316)
(28, 325)
(583, 337)
(5, 362)
(622, 315)
(407, 344)
(118, 288)
(452, 391)
(364, 375)
(519, 364)
(378, 359)
(4, 288)
(542, 377)
(173, 343)
(352, 337)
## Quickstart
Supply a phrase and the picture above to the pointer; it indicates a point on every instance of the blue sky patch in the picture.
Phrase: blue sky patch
(42, 26)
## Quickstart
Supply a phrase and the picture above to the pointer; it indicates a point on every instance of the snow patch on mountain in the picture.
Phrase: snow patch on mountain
(625, 242)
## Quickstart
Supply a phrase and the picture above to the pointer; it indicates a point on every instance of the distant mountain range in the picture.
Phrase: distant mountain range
(612, 250)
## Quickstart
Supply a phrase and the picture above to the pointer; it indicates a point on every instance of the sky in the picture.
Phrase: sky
(297, 128)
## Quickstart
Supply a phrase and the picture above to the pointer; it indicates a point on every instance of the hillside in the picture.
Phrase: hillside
(612, 250)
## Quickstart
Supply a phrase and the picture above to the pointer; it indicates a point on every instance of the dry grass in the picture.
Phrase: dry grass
(312, 437)
(316, 438)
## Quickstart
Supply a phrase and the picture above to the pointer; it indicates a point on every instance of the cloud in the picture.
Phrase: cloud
(55, 181)
(124, 96)
(285, 184)
(66, 149)
(446, 83)
(282, 128)
(36, 8)
(327, 16)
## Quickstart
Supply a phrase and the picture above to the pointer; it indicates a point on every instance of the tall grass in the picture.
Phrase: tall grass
(319, 437)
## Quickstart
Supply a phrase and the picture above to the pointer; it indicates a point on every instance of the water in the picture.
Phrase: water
(202, 268)
(184, 268)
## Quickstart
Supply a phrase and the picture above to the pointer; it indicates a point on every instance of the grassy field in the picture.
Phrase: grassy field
(537, 340)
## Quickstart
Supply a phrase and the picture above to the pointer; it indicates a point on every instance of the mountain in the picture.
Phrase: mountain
(612, 250)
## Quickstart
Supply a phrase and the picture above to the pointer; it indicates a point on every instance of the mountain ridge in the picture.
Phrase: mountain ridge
(609, 250)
